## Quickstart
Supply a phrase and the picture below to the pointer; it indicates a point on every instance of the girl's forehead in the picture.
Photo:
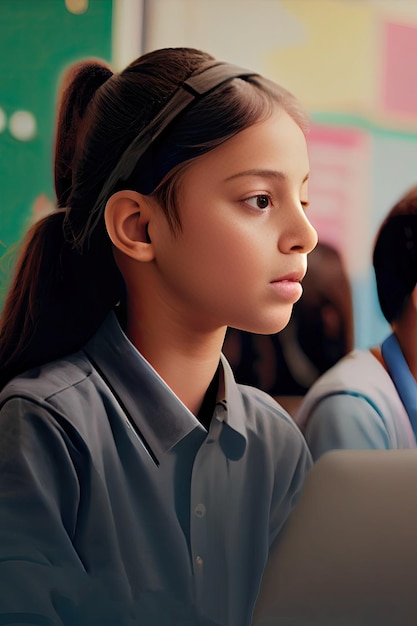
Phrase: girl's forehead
(276, 143)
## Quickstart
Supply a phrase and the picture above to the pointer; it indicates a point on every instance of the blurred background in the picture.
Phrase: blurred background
(352, 64)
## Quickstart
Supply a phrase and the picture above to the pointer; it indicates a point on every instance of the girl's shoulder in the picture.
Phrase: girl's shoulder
(47, 382)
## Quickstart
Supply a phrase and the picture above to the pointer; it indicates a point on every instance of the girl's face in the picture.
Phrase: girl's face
(242, 252)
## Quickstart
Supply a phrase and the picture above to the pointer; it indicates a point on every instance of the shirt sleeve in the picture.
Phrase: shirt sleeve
(40, 571)
(345, 421)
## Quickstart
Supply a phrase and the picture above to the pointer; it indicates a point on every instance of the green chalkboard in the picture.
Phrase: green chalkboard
(38, 40)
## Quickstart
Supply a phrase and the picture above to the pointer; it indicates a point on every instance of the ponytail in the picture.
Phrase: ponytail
(79, 85)
(60, 294)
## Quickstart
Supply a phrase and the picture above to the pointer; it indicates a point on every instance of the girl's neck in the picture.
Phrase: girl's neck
(185, 358)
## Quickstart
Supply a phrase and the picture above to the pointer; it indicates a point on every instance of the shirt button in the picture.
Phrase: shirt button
(199, 562)
(200, 510)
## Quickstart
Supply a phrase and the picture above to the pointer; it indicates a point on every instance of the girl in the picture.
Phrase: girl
(139, 484)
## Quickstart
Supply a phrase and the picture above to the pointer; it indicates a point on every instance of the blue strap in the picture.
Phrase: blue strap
(402, 378)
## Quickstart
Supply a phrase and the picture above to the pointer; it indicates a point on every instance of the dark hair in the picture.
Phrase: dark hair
(66, 280)
(395, 257)
(324, 313)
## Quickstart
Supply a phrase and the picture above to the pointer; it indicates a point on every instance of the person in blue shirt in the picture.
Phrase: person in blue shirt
(369, 399)
(139, 484)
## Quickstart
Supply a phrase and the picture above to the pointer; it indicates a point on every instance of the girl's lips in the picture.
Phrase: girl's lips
(296, 277)
(288, 288)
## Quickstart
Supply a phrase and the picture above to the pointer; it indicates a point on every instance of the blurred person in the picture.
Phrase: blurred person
(369, 399)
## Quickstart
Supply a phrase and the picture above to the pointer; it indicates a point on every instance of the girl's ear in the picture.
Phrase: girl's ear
(127, 215)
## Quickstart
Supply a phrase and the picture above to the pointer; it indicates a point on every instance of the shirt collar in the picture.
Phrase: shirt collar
(235, 415)
(159, 417)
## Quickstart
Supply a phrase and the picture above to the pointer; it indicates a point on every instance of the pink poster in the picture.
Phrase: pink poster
(399, 70)
(339, 190)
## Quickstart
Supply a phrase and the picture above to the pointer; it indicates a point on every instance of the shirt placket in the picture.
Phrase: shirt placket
(204, 504)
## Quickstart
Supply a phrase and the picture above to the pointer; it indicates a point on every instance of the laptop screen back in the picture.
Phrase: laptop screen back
(348, 555)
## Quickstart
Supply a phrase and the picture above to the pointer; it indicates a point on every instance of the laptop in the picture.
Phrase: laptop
(348, 553)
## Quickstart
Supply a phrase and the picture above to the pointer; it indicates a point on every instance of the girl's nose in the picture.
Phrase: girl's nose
(298, 233)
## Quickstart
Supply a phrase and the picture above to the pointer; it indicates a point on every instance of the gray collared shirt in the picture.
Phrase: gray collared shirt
(117, 507)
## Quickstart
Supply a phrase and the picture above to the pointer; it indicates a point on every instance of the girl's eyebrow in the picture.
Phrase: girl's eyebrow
(263, 174)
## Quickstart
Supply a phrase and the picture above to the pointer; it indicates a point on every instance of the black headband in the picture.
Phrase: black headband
(189, 91)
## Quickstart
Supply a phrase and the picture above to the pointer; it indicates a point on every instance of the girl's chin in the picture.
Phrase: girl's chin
(269, 327)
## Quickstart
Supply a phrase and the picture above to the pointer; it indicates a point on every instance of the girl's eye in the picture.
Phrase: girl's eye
(260, 201)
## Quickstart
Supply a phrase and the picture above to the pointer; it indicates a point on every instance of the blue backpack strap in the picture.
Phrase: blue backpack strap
(404, 381)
